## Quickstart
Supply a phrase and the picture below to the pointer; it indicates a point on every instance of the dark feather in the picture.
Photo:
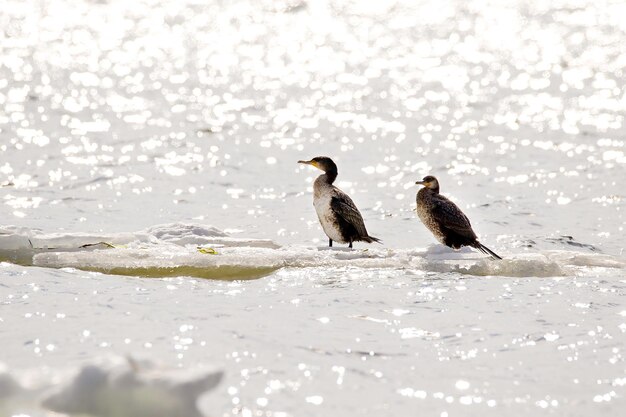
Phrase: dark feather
(484, 249)
(451, 218)
(345, 208)
(445, 219)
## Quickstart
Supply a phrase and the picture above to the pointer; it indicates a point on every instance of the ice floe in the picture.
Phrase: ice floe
(111, 387)
(182, 249)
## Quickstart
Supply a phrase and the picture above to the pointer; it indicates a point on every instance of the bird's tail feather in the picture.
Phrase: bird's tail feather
(484, 249)
(371, 239)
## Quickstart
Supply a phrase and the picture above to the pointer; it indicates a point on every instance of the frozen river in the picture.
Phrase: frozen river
(161, 127)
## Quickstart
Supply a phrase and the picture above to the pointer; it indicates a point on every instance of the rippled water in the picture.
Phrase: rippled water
(117, 116)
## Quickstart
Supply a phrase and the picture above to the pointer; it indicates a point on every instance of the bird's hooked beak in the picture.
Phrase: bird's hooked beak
(424, 183)
(311, 162)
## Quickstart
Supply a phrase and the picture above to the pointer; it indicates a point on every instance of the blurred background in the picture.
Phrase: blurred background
(118, 115)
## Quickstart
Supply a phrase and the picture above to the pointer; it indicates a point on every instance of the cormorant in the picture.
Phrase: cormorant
(337, 213)
(445, 220)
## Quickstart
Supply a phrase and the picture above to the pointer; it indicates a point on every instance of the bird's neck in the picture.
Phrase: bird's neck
(428, 190)
(328, 177)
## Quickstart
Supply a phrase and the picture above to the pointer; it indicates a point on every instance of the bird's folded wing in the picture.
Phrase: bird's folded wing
(345, 208)
(451, 217)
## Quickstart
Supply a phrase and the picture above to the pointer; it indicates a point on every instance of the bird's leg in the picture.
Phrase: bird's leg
(330, 243)
(350, 245)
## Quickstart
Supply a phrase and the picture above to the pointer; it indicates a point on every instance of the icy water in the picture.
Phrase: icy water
(164, 135)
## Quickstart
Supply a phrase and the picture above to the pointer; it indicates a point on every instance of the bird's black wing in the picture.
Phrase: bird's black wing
(450, 217)
(345, 208)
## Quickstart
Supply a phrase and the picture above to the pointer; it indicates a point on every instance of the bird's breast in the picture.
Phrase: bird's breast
(328, 218)
(424, 212)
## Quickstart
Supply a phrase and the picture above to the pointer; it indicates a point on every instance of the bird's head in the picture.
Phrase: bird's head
(322, 162)
(429, 182)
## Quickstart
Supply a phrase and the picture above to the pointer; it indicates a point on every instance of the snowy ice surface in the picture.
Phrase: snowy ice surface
(110, 387)
(177, 250)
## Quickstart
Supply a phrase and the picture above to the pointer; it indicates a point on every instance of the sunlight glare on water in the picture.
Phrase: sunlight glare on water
(212, 94)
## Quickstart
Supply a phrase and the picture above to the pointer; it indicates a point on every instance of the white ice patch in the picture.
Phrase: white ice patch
(20, 244)
(144, 387)
(9, 387)
(172, 250)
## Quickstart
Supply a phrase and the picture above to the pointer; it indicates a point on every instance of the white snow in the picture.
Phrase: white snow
(172, 250)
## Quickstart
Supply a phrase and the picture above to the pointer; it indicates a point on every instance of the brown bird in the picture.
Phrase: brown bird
(445, 220)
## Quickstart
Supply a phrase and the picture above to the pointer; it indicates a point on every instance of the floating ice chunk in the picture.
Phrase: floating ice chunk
(585, 259)
(9, 387)
(19, 244)
(163, 259)
(174, 232)
(129, 388)
(468, 262)
(195, 234)
(181, 249)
